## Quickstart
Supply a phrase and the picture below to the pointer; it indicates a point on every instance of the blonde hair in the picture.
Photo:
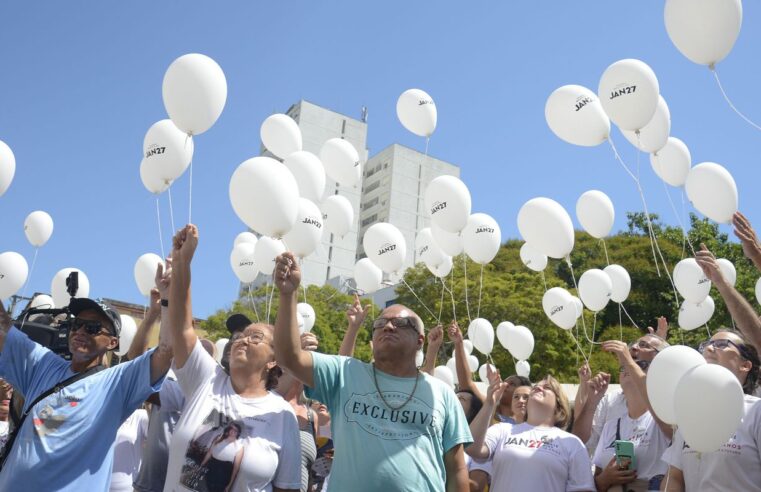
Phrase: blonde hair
(562, 407)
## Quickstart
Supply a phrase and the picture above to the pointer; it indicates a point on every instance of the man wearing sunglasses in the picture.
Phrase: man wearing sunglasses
(600, 407)
(73, 409)
(394, 428)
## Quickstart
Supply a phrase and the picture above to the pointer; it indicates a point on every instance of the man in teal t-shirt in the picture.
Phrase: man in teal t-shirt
(394, 429)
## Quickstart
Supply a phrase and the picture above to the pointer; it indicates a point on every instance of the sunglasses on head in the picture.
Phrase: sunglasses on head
(90, 327)
(723, 344)
(396, 322)
(643, 364)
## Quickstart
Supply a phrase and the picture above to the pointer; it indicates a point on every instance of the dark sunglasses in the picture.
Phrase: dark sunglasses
(643, 364)
(722, 344)
(397, 322)
(90, 327)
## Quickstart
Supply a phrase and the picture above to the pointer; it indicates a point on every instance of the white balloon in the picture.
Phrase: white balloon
(575, 115)
(417, 112)
(307, 312)
(468, 346)
(595, 213)
(622, 282)
(449, 242)
(58, 291)
(13, 273)
(481, 333)
(38, 228)
(560, 307)
(578, 306)
(522, 368)
(690, 281)
(306, 233)
(708, 393)
(426, 248)
(442, 269)
(341, 162)
(502, 331)
(385, 246)
(245, 237)
(663, 377)
(727, 270)
(672, 162)
(168, 150)
(266, 252)
(264, 195)
(126, 335)
(595, 289)
(337, 214)
(532, 258)
(443, 373)
(481, 238)
(419, 358)
(7, 167)
(242, 262)
(220, 348)
(452, 366)
(629, 93)
(482, 372)
(194, 91)
(149, 175)
(758, 290)
(448, 201)
(367, 276)
(520, 342)
(703, 30)
(145, 272)
(472, 363)
(42, 301)
(281, 135)
(712, 191)
(546, 226)
(694, 315)
(654, 135)
(309, 172)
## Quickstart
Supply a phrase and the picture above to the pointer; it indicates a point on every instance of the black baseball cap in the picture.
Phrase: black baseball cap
(79, 304)
(237, 322)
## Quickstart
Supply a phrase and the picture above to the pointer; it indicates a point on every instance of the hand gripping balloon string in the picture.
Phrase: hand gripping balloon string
(629, 317)
(161, 234)
(685, 237)
(465, 274)
(480, 287)
(253, 304)
(29, 276)
(726, 98)
(171, 209)
(438, 320)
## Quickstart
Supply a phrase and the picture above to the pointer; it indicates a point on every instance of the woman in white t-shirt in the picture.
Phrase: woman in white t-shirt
(128, 451)
(537, 454)
(264, 440)
(736, 465)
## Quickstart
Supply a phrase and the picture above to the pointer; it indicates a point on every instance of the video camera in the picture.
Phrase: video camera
(50, 327)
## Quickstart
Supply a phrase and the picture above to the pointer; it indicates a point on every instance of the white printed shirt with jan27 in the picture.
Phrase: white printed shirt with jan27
(736, 465)
(265, 432)
(527, 457)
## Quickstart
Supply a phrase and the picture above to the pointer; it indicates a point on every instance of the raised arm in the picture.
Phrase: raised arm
(435, 338)
(288, 352)
(478, 427)
(585, 374)
(748, 238)
(583, 422)
(140, 341)
(673, 481)
(355, 315)
(739, 308)
(180, 312)
(464, 379)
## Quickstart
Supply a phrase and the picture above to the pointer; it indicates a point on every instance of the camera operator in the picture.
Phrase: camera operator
(73, 408)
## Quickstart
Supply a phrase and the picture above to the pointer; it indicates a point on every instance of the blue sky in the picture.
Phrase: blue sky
(81, 83)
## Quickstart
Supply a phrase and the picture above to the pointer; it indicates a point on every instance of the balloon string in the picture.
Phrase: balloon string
(269, 303)
(29, 277)
(438, 320)
(605, 248)
(480, 287)
(161, 234)
(253, 304)
(709, 331)
(441, 302)
(465, 274)
(580, 350)
(685, 238)
(629, 317)
(544, 280)
(592, 342)
(171, 209)
(620, 324)
(583, 322)
(726, 98)
(451, 293)
(190, 193)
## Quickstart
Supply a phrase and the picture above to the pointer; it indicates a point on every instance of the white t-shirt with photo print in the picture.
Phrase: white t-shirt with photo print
(527, 457)
(268, 431)
(649, 444)
(736, 465)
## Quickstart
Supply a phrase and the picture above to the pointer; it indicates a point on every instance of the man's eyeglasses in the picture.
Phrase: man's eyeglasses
(396, 322)
(642, 345)
(255, 338)
(643, 364)
(91, 327)
(722, 344)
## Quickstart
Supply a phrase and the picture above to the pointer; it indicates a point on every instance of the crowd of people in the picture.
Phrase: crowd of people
(276, 414)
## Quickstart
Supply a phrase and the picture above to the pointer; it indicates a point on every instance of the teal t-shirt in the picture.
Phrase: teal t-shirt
(379, 449)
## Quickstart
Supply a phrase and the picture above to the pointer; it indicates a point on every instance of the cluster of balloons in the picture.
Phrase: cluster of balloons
(194, 92)
(698, 307)
(685, 391)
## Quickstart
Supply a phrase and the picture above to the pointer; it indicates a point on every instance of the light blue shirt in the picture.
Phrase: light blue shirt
(66, 442)
(379, 449)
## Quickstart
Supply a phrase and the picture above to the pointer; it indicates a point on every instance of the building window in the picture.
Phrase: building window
(372, 186)
(370, 220)
(371, 203)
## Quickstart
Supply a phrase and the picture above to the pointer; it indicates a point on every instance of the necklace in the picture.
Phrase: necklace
(393, 408)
